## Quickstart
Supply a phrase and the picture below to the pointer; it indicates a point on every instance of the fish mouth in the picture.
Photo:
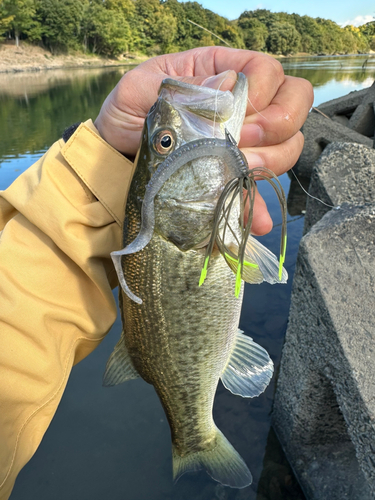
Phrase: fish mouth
(207, 112)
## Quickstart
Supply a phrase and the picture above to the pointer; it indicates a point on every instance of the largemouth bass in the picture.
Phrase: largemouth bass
(185, 213)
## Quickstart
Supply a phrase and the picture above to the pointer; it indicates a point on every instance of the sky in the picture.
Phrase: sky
(341, 11)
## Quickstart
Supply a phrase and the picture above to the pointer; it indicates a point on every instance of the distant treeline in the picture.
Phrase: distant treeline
(114, 27)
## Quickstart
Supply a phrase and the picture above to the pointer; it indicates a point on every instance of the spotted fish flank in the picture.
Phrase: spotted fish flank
(181, 331)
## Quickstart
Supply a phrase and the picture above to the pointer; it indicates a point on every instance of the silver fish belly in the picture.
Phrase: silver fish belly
(184, 337)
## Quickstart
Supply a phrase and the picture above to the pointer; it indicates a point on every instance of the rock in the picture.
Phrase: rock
(319, 131)
(324, 410)
(345, 172)
(363, 118)
(296, 202)
(344, 105)
(341, 119)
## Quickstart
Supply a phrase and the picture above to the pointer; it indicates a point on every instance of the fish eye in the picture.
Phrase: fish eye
(163, 142)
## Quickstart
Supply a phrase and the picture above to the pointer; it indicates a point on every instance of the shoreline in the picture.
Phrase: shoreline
(30, 58)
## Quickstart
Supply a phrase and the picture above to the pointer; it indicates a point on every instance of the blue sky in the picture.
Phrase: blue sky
(341, 11)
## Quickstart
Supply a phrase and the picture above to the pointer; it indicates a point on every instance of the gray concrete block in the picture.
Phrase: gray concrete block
(344, 120)
(344, 105)
(363, 118)
(324, 410)
(320, 131)
(345, 172)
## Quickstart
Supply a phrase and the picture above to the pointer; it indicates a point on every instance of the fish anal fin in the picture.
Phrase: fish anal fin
(223, 463)
(119, 367)
(249, 368)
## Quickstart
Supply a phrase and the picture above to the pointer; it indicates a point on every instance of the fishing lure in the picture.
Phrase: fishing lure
(244, 260)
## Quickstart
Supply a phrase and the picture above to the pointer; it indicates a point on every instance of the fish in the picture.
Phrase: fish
(187, 252)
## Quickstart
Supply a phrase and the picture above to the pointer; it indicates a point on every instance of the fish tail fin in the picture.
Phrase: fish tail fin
(223, 463)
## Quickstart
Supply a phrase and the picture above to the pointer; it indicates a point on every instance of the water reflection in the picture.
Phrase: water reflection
(35, 108)
(27, 84)
(333, 76)
(321, 69)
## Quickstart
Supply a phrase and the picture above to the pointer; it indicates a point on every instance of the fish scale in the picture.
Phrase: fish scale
(179, 336)
(180, 366)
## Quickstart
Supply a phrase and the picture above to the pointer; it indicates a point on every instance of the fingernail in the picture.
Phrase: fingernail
(254, 160)
(217, 81)
(251, 135)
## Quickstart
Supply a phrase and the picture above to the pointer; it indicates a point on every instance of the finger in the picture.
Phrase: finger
(140, 103)
(262, 222)
(279, 158)
(283, 117)
(127, 107)
(264, 73)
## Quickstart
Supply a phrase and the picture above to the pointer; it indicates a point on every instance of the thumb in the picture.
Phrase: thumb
(222, 81)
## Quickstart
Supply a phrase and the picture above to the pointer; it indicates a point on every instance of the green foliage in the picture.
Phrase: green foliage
(255, 33)
(264, 16)
(158, 26)
(5, 22)
(105, 29)
(283, 39)
(61, 23)
(114, 27)
(20, 19)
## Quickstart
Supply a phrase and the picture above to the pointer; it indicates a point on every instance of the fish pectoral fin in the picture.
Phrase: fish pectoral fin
(259, 265)
(223, 463)
(119, 367)
(267, 261)
(250, 270)
(249, 368)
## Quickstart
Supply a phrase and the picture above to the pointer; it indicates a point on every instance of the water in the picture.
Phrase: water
(115, 443)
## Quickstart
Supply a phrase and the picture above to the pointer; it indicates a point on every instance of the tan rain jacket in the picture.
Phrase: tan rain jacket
(59, 221)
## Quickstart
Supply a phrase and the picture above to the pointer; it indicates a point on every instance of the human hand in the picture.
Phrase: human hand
(278, 106)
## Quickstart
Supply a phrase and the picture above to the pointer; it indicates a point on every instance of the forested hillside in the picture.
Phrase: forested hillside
(114, 27)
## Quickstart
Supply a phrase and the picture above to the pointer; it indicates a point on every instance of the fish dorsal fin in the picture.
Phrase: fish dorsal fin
(119, 367)
(249, 368)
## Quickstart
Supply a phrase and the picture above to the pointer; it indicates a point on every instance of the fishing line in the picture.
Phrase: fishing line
(289, 221)
(311, 196)
(217, 92)
(227, 77)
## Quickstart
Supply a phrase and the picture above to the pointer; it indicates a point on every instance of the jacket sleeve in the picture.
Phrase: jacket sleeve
(59, 221)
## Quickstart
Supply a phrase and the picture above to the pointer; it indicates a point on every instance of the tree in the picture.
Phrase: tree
(255, 33)
(182, 39)
(61, 23)
(358, 41)
(105, 27)
(106, 31)
(5, 21)
(263, 15)
(283, 39)
(311, 34)
(21, 19)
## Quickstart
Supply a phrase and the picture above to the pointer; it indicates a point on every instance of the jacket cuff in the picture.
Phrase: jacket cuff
(105, 171)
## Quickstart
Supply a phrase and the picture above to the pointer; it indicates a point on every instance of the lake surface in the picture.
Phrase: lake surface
(115, 443)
